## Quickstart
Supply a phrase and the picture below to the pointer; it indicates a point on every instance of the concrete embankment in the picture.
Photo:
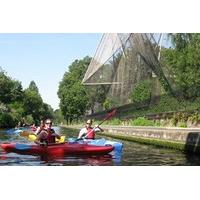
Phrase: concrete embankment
(184, 139)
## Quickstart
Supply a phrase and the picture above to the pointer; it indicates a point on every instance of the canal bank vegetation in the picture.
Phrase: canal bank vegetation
(173, 119)
(20, 105)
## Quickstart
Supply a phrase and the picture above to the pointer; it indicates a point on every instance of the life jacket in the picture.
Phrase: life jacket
(50, 138)
(90, 133)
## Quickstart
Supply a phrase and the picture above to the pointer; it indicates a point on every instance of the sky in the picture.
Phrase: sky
(44, 58)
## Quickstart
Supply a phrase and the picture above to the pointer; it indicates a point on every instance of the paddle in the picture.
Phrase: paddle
(108, 116)
(61, 140)
(25, 133)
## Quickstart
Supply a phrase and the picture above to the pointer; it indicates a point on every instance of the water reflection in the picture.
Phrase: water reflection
(104, 160)
(27, 160)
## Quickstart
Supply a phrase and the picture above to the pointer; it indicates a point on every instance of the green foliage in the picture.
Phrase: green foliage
(3, 108)
(174, 120)
(16, 110)
(33, 87)
(141, 92)
(149, 141)
(46, 111)
(58, 117)
(96, 95)
(32, 103)
(166, 103)
(6, 120)
(29, 119)
(157, 123)
(74, 99)
(115, 121)
(11, 90)
(106, 104)
(182, 125)
(109, 103)
(6, 86)
(141, 121)
(16, 104)
(195, 118)
(183, 61)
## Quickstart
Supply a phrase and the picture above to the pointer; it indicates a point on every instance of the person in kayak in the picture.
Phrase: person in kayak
(88, 132)
(40, 128)
(33, 127)
(47, 134)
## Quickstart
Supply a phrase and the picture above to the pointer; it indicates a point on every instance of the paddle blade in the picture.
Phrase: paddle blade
(32, 137)
(61, 140)
(111, 114)
(24, 133)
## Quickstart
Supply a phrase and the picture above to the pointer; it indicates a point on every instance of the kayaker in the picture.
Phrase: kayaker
(33, 127)
(41, 127)
(47, 134)
(88, 132)
(23, 122)
(18, 125)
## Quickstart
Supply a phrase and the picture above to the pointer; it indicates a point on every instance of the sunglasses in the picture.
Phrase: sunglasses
(49, 123)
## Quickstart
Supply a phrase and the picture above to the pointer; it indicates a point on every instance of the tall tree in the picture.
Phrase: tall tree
(46, 111)
(10, 90)
(72, 94)
(33, 87)
(33, 102)
(184, 62)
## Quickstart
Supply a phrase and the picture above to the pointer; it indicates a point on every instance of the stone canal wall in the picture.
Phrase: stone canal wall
(184, 139)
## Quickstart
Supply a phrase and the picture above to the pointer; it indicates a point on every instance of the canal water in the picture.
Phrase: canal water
(133, 154)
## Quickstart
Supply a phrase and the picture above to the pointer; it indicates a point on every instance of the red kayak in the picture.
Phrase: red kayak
(56, 149)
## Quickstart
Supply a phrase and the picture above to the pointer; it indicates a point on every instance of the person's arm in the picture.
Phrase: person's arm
(81, 133)
(98, 129)
(37, 130)
(55, 134)
(37, 141)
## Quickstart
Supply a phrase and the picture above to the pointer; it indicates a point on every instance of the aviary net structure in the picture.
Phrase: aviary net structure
(123, 61)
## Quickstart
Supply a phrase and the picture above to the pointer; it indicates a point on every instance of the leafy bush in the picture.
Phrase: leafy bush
(157, 123)
(107, 104)
(195, 118)
(115, 121)
(3, 108)
(141, 121)
(29, 119)
(141, 92)
(182, 125)
(174, 120)
(6, 120)
(110, 103)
